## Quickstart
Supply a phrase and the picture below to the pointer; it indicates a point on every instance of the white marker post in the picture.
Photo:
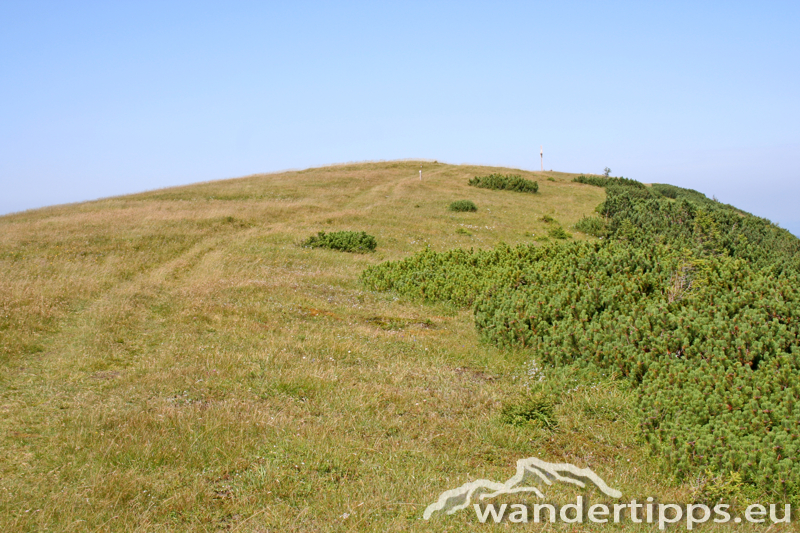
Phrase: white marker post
(420, 173)
(541, 156)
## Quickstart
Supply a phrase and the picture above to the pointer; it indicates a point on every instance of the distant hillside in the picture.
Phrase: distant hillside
(191, 359)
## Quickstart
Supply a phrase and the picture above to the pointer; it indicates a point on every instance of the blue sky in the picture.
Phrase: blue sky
(106, 98)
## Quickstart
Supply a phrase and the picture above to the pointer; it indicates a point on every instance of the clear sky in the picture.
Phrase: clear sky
(106, 98)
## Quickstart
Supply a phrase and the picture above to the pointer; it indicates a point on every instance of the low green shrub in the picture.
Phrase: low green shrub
(345, 241)
(463, 206)
(536, 409)
(505, 182)
(559, 233)
(547, 219)
(714, 488)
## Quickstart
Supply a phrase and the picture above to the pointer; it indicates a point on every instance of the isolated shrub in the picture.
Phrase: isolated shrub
(462, 231)
(594, 226)
(505, 182)
(463, 205)
(345, 241)
(534, 409)
(547, 219)
(559, 233)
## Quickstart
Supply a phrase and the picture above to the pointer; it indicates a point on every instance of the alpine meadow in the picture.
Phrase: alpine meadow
(330, 349)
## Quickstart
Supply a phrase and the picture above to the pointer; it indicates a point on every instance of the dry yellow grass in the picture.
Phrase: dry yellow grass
(174, 361)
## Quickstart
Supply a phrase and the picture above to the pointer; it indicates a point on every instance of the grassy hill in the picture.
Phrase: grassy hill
(174, 360)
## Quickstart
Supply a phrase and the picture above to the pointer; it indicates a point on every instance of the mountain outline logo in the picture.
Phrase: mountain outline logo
(459, 498)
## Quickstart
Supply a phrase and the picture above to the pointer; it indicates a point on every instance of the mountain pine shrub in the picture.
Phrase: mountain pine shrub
(709, 341)
(705, 226)
(695, 303)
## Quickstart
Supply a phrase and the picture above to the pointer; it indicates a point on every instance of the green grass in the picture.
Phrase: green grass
(173, 361)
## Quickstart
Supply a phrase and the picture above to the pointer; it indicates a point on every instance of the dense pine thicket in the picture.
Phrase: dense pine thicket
(696, 303)
(643, 216)
(505, 182)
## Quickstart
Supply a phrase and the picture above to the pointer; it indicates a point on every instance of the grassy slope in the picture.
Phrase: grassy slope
(174, 361)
